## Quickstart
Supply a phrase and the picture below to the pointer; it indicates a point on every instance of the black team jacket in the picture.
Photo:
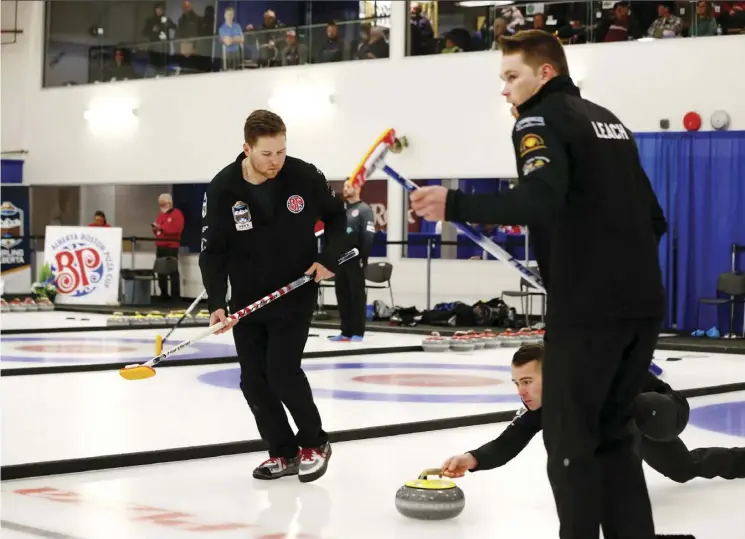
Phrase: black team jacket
(261, 237)
(527, 423)
(582, 185)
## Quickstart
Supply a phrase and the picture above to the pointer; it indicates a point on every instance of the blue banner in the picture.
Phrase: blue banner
(11, 171)
(16, 251)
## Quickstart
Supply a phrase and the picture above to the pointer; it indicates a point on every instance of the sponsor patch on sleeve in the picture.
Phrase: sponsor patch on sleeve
(530, 143)
(530, 121)
(534, 163)
(370, 227)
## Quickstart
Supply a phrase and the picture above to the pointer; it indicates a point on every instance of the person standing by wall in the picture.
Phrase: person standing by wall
(167, 229)
(350, 279)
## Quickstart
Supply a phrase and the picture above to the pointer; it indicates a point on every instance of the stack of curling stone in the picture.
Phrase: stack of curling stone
(436, 343)
(430, 499)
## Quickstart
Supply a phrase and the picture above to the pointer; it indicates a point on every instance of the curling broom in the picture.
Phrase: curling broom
(186, 313)
(146, 370)
(375, 160)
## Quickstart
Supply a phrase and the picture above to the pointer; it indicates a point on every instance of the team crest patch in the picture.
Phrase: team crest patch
(531, 143)
(295, 204)
(242, 216)
(534, 163)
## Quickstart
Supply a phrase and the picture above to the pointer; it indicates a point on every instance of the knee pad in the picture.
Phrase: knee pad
(657, 416)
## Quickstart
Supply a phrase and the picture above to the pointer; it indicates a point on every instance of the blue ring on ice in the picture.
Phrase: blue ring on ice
(723, 417)
(230, 378)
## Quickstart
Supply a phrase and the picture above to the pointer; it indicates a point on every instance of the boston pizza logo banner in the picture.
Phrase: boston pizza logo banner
(86, 263)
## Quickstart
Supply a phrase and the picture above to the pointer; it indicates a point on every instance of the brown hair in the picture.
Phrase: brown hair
(528, 353)
(537, 47)
(262, 123)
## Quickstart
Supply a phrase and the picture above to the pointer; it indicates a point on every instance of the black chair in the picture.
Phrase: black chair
(379, 273)
(526, 293)
(165, 265)
(731, 284)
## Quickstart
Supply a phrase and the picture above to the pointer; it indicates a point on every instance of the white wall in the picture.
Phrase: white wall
(20, 72)
(190, 127)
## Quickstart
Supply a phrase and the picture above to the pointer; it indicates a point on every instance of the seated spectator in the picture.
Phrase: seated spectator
(189, 62)
(539, 22)
(450, 44)
(119, 69)
(360, 45)
(514, 17)
(232, 39)
(99, 219)
(620, 26)
(294, 53)
(666, 24)
(500, 29)
(704, 24)
(332, 49)
(377, 46)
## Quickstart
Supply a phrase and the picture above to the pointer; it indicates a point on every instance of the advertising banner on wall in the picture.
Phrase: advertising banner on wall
(86, 263)
(16, 246)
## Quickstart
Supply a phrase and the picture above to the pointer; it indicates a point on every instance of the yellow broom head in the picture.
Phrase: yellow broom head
(158, 345)
(136, 372)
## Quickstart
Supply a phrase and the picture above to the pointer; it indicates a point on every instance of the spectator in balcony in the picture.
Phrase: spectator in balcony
(188, 27)
(359, 46)
(232, 39)
(167, 229)
(269, 39)
(705, 24)
(189, 62)
(99, 219)
(666, 24)
(207, 22)
(620, 26)
(539, 22)
(377, 47)
(294, 53)
(422, 35)
(500, 29)
(158, 32)
(332, 49)
(451, 43)
(119, 69)
(514, 17)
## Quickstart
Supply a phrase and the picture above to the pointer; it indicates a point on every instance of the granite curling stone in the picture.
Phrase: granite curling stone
(460, 342)
(430, 499)
(436, 343)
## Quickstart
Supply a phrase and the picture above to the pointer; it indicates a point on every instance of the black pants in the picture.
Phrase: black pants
(676, 462)
(269, 354)
(591, 375)
(351, 298)
(174, 278)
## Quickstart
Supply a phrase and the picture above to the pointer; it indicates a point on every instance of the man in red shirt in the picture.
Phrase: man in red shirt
(167, 229)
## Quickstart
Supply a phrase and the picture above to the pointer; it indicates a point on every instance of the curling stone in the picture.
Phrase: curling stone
(139, 319)
(478, 340)
(45, 304)
(436, 343)
(510, 338)
(430, 499)
(155, 318)
(460, 342)
(117, 319)
(490, 339)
